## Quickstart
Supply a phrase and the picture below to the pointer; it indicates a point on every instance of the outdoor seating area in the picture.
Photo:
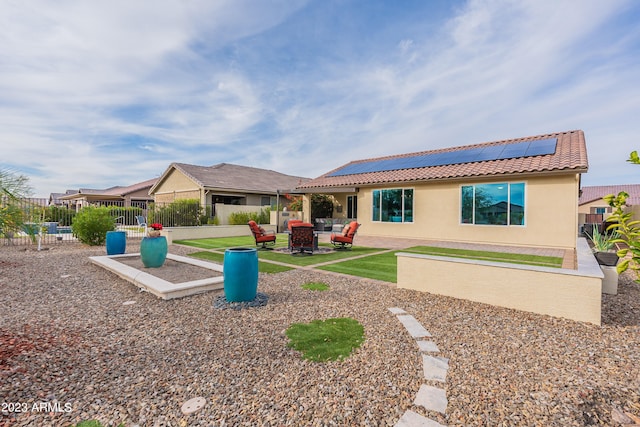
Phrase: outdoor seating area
(262, 236)
(344, 240)
(302, 238)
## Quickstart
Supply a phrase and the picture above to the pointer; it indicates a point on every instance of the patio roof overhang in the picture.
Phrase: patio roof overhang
(324, 190)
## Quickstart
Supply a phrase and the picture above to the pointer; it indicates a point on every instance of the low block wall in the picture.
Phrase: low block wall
(209, 231)
(572, 294)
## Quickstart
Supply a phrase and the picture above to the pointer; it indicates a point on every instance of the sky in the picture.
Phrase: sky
(95, 94)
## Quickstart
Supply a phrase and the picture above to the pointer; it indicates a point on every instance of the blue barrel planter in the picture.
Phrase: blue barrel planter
(153, 251)
(240, 269)
(116, 242)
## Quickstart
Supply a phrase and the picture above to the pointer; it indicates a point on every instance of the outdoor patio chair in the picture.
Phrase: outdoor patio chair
(142, 222)
(345, 239)
(302, 238)
(291, 222)
(261, 235)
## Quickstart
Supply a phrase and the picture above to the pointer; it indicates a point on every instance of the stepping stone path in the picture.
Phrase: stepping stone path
(435, 369)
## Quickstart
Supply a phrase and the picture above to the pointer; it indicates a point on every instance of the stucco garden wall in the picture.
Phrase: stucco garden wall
(572, 294)
(204, 232)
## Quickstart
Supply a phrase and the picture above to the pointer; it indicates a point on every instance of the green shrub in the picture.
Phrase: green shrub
(241, 218)
(181, 213)
(627, 227)
(60, 214)
(91, 225)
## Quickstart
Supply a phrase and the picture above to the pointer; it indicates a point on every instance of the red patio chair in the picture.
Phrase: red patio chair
(291, 222)
(302, 238)
(345, 239)
(261, 235)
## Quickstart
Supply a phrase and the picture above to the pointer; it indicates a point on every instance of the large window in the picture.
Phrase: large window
(395, 205)
(494, 204)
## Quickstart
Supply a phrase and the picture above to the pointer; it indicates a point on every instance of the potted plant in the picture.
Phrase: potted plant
(604, 247)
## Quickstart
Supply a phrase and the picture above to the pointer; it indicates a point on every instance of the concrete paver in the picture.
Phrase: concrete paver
(431, 398)
(435, 368)
(413, 419)
(415, 329)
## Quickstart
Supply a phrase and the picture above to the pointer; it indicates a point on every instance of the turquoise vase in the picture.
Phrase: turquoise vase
(116, 242)
(153, 251)
(240, 269)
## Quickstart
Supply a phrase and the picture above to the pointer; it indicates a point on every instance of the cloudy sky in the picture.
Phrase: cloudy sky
(101, 93)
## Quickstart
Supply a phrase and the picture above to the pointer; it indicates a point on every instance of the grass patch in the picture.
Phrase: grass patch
(379, 267)
(263, 267)
(537, 260)
(230, 242)
(324, 340)
(315, 286)
(316, 258)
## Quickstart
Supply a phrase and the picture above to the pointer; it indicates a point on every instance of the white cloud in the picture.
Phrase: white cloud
(86, 87)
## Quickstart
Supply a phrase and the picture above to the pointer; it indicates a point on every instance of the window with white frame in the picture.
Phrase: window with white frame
(393, 205)
(493, 204)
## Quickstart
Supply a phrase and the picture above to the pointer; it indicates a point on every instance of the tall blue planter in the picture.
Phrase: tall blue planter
(116, 242)
(153, 251)
(240, 269)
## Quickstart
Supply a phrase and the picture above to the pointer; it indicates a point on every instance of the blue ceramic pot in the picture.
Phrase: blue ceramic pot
(116, 242)
(240, 269)
(153, 251)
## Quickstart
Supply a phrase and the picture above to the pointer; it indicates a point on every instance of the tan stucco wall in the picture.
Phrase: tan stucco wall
(177, 186)
(210, 231)
(571, 294)
(551, 214)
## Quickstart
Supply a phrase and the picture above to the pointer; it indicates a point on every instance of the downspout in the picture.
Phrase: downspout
(277, 211)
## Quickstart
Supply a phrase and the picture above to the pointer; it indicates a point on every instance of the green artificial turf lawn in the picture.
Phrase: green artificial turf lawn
(263, 267)
(315, 286)
(324, 340)
(380, 267)
(231, 242)
(316, 258)
(537, 260)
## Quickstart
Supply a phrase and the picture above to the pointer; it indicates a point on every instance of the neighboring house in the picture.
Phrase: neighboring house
(55, 198)
(520, 191)
(136, 195)
(225, 184)
(593, 209)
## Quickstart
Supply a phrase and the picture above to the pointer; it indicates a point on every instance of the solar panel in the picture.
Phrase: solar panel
(513, 150)
(471, 155)
(541, 147)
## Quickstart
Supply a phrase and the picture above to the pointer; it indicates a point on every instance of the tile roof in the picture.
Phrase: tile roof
(121, 191)
(570, 156)
(226, 176)
(117, 191)
(592, 193)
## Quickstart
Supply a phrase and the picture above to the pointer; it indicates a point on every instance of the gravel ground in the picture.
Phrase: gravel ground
(69, 346)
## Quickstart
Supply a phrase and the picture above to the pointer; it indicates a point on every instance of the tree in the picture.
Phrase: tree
(627, 227)
(13, 187)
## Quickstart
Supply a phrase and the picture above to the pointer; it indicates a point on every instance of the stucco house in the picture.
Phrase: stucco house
(135, 195)
(592, 209)
(521, 192)
(223, 184)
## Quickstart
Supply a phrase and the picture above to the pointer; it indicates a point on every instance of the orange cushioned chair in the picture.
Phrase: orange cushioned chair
(345, 239)
(302, 237)
(261, 235)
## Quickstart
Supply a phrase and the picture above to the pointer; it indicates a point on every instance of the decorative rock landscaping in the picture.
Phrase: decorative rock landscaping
(69, 344)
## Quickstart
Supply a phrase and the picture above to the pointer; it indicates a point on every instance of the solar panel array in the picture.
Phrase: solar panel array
(538, 147)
